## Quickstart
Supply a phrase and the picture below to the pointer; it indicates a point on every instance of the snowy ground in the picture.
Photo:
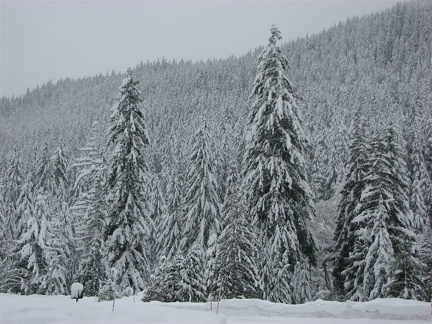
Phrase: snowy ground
(62, 309)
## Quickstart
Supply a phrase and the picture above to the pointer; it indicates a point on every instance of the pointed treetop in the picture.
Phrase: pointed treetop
(129, 73)
(275, 35)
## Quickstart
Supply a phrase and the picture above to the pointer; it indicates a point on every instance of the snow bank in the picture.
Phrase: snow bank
(388, 309)
(62, 309)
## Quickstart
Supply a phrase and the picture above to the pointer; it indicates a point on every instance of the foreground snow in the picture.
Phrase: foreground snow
(62, 309)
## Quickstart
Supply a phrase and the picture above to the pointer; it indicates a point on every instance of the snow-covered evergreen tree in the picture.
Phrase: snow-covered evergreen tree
(171, 225)
(159, 208)
(420, 184)
(201, 203)
(347, 209)
(377, 266)
(193, 282)
(128, 181)
(276, 181)
(202, 220)
(236, 269)
(11, 191)
(301, 284)
(164, 285)
(13, 267)
(89, 215)
(34, 246)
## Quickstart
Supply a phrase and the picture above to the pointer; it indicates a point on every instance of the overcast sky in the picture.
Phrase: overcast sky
(43, 40)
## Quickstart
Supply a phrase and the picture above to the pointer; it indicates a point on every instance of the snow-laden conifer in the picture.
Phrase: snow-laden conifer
(171, 225)
(350, 197)
(382, 234)
(236, 271)
(128, 181)
(11, 191)
(301, 284)
(202, 220)
(420, 183)
(34, 247)
(201, 201)
(276, 181)
(165, 281)
(193, 282)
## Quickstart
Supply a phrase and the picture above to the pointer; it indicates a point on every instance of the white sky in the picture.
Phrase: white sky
(43, 40)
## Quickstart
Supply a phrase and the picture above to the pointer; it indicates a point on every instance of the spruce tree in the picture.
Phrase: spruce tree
(193, 283)
(89, 215)
(171, 225)
(420, 184)
(129, 214)
(12, 186)
(381, 231)
(165, 282)
(350, 197)
(202, 220)
(34, 245)
(276, 181)
(201, 203)
(236, 271)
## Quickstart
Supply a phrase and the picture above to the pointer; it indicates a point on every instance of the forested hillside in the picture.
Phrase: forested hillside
(363, 90)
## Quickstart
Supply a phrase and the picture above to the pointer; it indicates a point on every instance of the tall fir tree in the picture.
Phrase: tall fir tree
(381, 234)
(236, 270)
(34, 246)
(171, 225)
(202, 220)
(12, 187)
(420, 184)
(128, 181)
(276, 180)
(350, 197)
(90, 216)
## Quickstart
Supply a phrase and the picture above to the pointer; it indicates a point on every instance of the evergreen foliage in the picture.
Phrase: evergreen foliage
(53, 233)
(236, 270)
(201, 202)
(129, 214)
(279, 196)
(347, 209)
(380, 235)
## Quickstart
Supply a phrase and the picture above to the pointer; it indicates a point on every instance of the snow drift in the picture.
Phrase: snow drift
(62, 309)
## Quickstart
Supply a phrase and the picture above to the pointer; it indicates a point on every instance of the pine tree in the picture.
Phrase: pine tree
(420, 184)
(158, 215)
(236, 270)
(128, 181)
(279, 196)
(171, 225)
(381, 231)
(93, 267)
(14, 268)
(164, 285)
(426, 258)
(13, 180)
(301, 284)
(350, 197)
(89, 215)
(201, 202)
(193, 283)
(34, 246)
(202, 224)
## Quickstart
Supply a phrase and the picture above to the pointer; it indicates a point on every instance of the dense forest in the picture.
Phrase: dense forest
(173, 178)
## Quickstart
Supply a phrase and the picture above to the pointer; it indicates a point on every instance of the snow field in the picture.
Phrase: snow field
(63, 309)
